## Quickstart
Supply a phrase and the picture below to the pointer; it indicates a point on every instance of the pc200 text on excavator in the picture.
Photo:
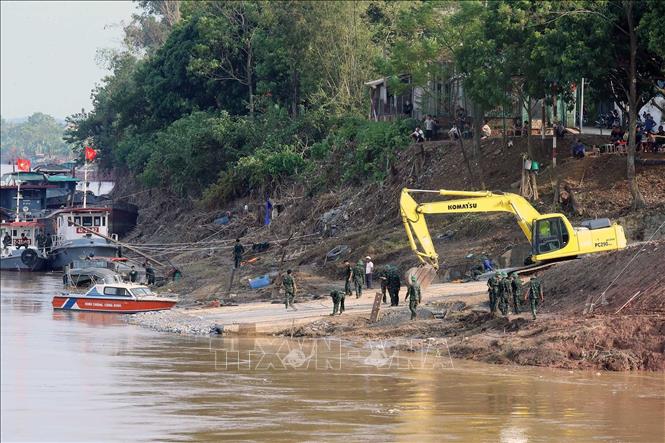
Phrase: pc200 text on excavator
(552, 236)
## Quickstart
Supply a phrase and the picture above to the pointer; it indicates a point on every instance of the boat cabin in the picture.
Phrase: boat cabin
(77, 223)
(32, 187)
(119, 290)
(23, 233)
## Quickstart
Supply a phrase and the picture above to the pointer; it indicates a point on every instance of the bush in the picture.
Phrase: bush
(365, 148)
(188, 155)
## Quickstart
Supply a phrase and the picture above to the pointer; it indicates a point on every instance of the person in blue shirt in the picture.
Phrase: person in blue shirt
(578, 149)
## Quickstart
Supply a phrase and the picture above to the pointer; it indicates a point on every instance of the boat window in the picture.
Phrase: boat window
(97, 221)
(103, 221)
(141, 291)
(111, 290)
(87, 221)
(14, 233)
(77, 220)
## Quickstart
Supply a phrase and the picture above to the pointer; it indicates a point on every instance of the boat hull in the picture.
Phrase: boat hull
(62, 256)
(16, 264)
(105, 304)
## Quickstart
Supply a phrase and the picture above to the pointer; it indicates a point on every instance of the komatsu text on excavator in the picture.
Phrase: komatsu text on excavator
(552, 237)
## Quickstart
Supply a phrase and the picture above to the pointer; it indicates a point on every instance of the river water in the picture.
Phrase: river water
(91, 377)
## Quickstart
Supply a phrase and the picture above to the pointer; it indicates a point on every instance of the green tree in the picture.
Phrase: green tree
(39, 135)
(226, 51)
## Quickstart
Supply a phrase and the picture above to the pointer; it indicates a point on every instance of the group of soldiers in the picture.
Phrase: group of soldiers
(504, 288)
(390, 285)
(354, 276)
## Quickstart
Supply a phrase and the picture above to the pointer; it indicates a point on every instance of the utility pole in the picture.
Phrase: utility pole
(582, 105)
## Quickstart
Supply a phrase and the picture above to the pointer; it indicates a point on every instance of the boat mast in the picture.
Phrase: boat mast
(18, 199)
(85, 184)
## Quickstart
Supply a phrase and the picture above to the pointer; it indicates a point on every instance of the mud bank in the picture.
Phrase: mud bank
(599, 342)
(622, 332)
(605, 311)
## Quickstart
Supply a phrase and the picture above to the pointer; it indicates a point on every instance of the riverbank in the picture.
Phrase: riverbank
(578, 327)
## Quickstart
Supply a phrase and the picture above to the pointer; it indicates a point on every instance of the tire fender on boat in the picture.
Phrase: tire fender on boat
(29, 257)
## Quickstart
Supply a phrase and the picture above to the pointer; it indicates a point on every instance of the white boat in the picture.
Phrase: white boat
(22, 252)
(124, 298)
(75, 238)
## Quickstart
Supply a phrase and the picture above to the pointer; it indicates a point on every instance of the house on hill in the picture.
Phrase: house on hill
(443, 97)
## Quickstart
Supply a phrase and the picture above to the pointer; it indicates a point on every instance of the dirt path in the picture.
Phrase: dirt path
(272, 318)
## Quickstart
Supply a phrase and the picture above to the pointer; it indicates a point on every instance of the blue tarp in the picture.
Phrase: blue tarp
(259, 282)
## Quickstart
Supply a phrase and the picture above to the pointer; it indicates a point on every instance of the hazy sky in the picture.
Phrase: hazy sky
(48, 53)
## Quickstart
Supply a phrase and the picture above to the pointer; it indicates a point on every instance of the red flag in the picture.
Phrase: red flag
(90, 153)
(23, 164)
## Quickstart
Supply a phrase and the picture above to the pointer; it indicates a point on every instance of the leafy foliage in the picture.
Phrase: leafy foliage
(221, 99)
(39, 134)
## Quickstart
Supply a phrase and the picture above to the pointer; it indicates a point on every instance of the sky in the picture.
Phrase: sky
(47, 53)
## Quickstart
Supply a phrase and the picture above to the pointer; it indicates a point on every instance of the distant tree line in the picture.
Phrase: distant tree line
(39, 135)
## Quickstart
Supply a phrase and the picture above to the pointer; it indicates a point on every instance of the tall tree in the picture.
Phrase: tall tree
(149, 29)
(227, 51)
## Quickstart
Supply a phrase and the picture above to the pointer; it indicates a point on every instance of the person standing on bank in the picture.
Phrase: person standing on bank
(358, 278)
(429, 128)
(369, 270)
(534, 295)
(383, 278)
(289, 285)
(394, 284)
(413, 294)
(149, 273)
(238, 251)
(348, 275)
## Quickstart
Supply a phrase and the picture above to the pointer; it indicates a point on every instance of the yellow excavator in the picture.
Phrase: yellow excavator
(552, 236)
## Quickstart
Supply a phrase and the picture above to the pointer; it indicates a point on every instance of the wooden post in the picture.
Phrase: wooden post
(374, 316)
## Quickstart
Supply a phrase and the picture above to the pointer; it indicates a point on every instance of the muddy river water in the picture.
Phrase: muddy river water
(91, 377)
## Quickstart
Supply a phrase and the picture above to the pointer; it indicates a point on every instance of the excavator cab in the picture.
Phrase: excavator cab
(549, 234)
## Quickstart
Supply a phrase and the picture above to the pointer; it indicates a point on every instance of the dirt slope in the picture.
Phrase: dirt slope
(573, 286)
(368, 220)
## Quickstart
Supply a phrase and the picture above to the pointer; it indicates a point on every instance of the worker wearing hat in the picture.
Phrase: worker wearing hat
(534, 294)
(516, 286)
(359, 278)
(505, 293)
(369, 270)
(337, 299)
(493, 290)
(413, 294)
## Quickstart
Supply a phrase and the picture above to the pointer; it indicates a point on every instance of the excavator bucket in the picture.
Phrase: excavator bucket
(425, 275)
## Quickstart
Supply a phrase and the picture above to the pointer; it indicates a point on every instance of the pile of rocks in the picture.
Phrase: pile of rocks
(175, 321)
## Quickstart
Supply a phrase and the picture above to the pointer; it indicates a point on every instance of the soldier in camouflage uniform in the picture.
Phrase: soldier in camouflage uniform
(348, 276)
(383, 278)
(337, 298)
(493, 290)
(534, 294)
(505, 293)
(238, 251)
(359, 278)
(289, 285)
(394, 284)
(516, 286)
(413, 294)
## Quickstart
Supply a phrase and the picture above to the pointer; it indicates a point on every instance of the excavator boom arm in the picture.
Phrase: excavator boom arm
(473, 201)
